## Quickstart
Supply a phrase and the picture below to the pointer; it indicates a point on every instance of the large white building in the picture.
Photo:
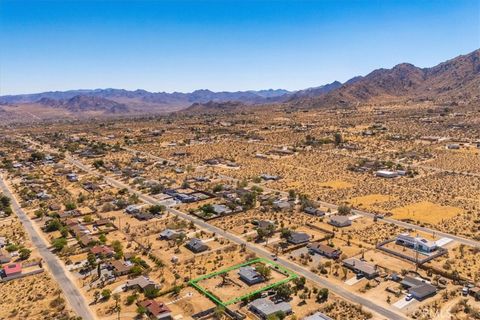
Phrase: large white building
(417, 243)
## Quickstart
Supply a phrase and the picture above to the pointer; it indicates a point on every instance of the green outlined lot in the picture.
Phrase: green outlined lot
(212, 296)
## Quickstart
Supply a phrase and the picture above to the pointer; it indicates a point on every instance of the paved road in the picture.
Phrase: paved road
(260, 251)
(71, 292)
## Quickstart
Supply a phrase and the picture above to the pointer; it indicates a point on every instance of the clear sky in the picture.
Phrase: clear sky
(222, 45)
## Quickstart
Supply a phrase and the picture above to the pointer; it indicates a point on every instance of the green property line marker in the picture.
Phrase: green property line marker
(218, 301)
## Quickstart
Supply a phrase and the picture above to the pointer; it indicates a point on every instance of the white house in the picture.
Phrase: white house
(386, 174)
(417, 243)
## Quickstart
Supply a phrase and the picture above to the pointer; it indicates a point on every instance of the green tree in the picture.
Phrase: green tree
(218, 188)
(70, 205)
(98, 163)
(284, 291)
(322, 295)
(106, 294)
(117, 247)
(59, 244)
(131, 299)
(292, 195)
(24, 253)
(4, 201)
(156, 209)
(152, 293)
(136, 270)
(39, 213)
(299, 283)
(102, 238)
(249, 200)
(285, 233)
(37, 156)
(141, 310)
(92, 260)
(11, 247)
(263, 270)
(53, 225)
(338, 138)
(344, 210)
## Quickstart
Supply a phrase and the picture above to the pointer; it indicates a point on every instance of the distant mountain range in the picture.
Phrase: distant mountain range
(454, 81)
(120, 100)
(83, 103)
(451, 82)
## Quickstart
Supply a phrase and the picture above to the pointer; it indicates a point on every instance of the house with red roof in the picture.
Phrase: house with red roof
(12, 269)
(157, 310)
(102, 250)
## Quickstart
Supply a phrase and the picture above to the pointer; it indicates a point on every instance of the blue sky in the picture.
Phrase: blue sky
(222, 45)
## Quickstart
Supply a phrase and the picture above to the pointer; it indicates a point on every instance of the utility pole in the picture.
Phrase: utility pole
(416, 255)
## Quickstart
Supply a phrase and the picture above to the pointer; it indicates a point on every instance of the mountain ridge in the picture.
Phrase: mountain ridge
(455, 80)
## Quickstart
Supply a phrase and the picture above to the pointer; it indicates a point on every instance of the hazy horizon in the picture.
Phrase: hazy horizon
(163, 46)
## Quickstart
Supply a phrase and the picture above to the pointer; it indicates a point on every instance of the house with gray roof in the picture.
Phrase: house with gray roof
(282, 205)
(5, 256)
(339, 221)
(265, 225)
(132, 209)
(298, 237)
(196, 245)
(418, 288)
(324, 250)
(314, 211)
(317, 316)
(185, 198)
(169, 234)
(269, 177)
(221, 209)
(361, 267)
(143, 283)
(264, 307)
(249, 275)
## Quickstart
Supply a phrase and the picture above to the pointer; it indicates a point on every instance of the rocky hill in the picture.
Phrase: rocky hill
(454, 81)
(83, 103)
